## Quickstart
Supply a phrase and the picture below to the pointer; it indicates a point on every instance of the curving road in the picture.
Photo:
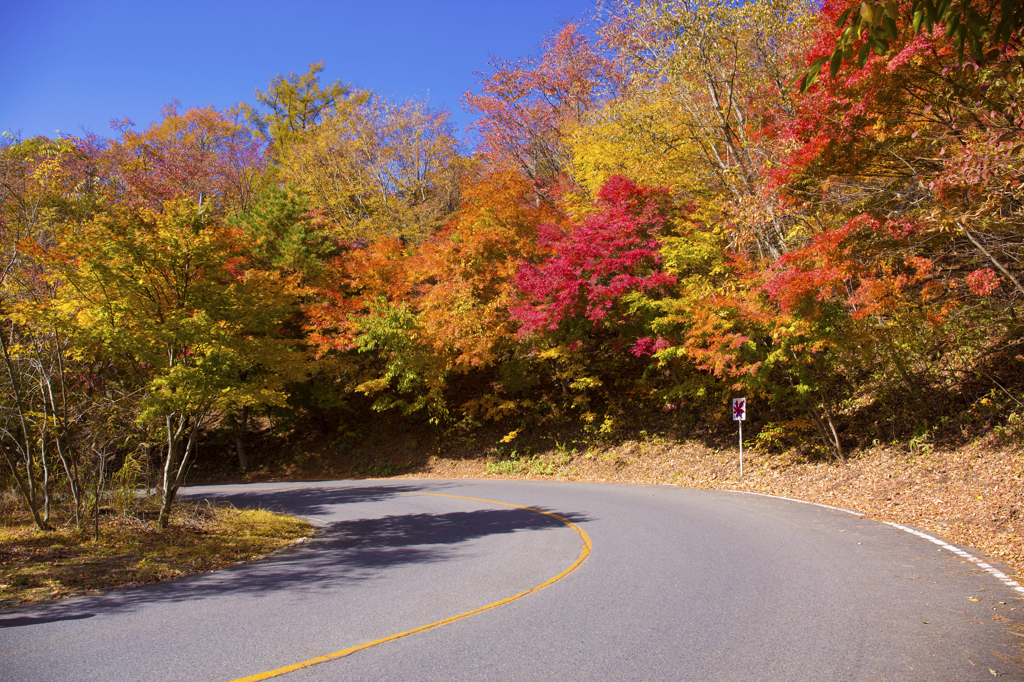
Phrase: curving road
(680, 585)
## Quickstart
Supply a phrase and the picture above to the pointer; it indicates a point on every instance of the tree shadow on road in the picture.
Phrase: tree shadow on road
(343, 552)
(309, 502)
(20, 621)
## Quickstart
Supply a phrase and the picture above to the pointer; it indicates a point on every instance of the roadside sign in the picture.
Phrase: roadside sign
(739, 414)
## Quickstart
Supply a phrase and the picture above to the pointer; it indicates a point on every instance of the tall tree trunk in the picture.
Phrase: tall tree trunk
(26, 484)
(46, 477)
(61, 429)
(175, 428)
(241, 424)
(828, 436)
(179, 456)
(25, 491)
(100, 471)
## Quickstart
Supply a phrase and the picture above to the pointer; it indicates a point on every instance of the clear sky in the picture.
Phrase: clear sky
(72, 65)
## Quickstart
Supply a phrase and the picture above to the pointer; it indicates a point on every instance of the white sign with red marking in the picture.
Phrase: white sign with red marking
(739, 414)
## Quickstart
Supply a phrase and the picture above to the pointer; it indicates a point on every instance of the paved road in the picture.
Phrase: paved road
(680, 585)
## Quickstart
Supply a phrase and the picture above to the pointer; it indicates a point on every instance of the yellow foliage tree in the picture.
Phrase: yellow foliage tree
(379, 169)
(708, 79)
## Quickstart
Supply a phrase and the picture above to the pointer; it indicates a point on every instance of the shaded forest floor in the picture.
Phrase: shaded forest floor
(969, 493)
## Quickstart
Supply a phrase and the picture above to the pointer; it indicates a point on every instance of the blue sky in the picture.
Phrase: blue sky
(73, 66)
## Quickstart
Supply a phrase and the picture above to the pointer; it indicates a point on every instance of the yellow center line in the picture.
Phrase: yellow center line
(584, 553)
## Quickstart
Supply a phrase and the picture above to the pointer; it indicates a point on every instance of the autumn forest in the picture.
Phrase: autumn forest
(816, 207)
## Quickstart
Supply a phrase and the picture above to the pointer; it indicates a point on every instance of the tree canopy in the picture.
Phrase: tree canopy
(675, 205)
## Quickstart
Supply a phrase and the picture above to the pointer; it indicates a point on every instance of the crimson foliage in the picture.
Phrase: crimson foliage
(592, 268)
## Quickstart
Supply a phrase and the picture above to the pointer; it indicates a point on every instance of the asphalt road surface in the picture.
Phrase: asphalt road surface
(542, 581)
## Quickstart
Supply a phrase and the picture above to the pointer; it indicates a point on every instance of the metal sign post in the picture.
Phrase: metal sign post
(739, 414)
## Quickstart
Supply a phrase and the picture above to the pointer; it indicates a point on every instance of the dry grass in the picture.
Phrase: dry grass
(36, 566)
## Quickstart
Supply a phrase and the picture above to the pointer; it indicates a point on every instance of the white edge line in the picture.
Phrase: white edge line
(985, 566)
(988, 568)
(793, 499)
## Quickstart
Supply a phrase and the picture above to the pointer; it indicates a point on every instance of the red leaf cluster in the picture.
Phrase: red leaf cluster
(593, 265)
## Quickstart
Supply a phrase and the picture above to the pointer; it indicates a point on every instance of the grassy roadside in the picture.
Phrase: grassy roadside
(36, 566)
